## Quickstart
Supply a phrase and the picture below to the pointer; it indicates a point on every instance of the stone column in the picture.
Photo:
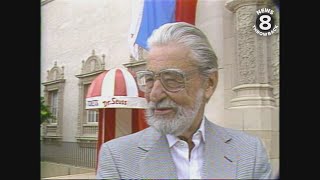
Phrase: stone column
(253, 106)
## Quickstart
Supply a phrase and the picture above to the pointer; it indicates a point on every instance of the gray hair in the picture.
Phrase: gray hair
(191, 37)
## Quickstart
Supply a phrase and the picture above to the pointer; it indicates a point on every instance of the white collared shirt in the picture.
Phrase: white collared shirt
(179, 149)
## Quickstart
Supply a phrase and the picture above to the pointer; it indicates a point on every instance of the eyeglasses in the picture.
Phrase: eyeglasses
(173, 80)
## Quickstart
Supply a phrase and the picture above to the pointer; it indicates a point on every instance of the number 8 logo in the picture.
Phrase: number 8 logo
(263, 22)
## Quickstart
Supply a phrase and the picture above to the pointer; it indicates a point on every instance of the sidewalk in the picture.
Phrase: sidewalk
(90, 175)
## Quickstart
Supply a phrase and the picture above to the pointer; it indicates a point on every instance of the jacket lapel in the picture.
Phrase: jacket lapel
(157, 161)
(220, 157)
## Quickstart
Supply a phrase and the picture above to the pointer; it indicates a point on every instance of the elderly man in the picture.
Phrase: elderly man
(180, 78)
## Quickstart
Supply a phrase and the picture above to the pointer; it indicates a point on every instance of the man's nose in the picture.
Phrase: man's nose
(157, 92)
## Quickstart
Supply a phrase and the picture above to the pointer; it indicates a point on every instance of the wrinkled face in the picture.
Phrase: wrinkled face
(173, 112)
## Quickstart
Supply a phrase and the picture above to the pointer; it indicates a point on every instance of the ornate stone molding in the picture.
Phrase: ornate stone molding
(55, 82)
(91, 74)
(252, 63)
(141, 54)
(92, 64)
(256, 68)
(246, 46)
(55, 73)
(275, 66)
(275, 63)
(234, 5)
(252, 50)
(91, 68)
(135, 66)
(132, 59)
(253, 95)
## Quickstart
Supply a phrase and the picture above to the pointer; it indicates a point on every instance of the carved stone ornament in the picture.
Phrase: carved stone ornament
(91, 68)
(233, 5)
(93, 63)
(55, 73)
(55, 82)
(246, 46)
(252, 55)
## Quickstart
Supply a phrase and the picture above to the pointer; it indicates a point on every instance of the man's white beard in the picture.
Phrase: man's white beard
(178, 124)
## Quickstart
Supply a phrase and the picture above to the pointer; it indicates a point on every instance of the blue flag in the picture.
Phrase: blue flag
(155, 14)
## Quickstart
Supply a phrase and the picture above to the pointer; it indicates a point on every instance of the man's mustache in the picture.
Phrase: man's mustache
(162, 104)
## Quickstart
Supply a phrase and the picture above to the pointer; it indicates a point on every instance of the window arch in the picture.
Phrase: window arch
(88, 119)
(53, 94)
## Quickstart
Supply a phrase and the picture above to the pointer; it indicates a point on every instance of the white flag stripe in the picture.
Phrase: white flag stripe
(136, 17)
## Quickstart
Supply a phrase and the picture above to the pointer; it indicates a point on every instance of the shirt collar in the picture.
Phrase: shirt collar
(173, 139)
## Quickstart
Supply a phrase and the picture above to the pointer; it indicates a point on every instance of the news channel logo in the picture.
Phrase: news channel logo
(265, 23)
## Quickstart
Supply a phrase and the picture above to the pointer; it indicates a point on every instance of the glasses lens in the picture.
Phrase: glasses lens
(172, 80)
(145, 81)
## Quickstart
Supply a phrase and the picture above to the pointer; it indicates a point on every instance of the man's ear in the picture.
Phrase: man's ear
(211, 85)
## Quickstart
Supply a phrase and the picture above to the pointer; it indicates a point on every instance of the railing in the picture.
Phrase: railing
(72, 153)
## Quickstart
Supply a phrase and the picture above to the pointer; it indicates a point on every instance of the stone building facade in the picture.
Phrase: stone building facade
(81, 38)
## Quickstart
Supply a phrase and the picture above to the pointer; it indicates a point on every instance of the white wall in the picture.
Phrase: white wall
(209, 18)
(70, 30)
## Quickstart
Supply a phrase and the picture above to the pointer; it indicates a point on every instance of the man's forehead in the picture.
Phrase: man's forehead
(165, 57)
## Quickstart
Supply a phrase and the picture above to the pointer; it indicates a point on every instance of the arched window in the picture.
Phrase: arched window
(88, 119)
(53, 94)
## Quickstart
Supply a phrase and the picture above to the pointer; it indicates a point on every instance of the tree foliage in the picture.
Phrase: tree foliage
(45, 112)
